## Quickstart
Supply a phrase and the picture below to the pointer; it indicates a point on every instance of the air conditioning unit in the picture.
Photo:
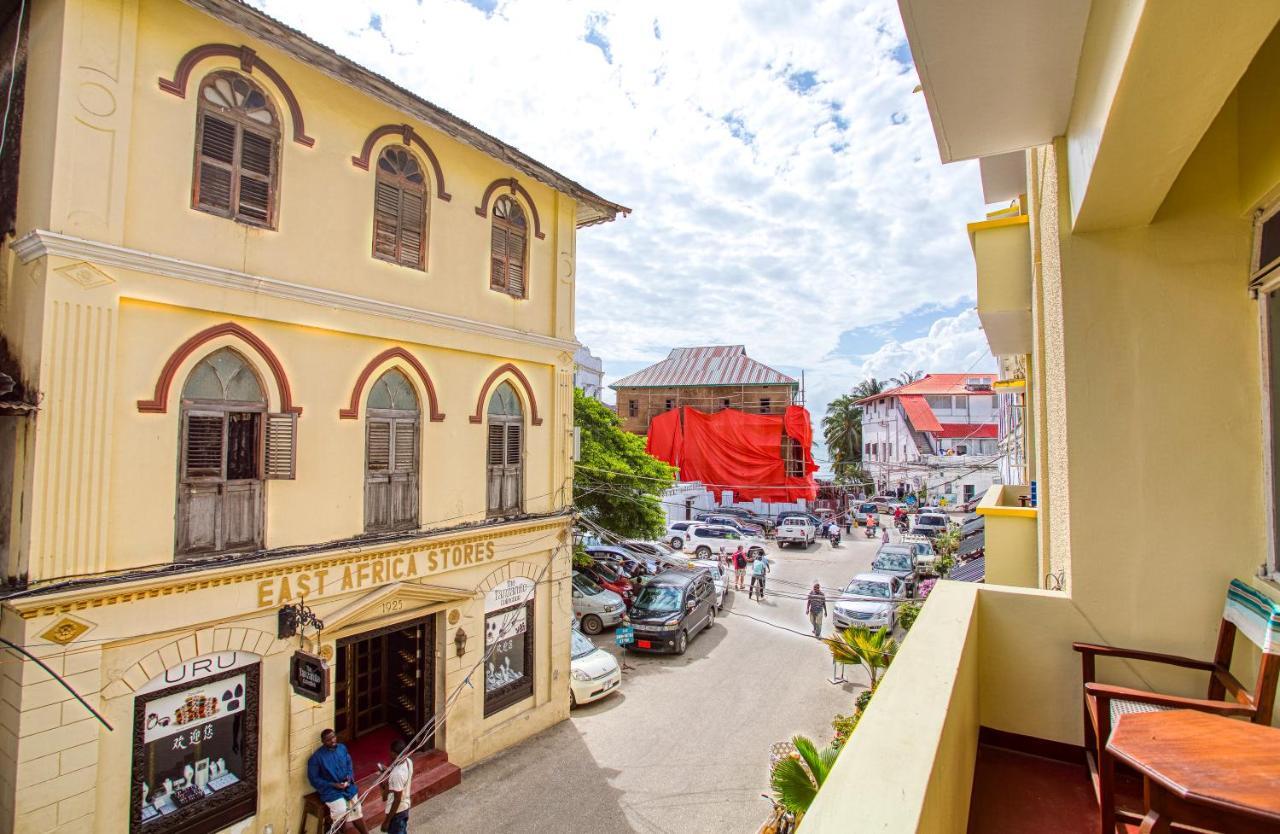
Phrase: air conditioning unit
(977, 384)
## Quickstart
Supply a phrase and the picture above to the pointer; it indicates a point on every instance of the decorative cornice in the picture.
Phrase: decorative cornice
(249, 61)
(130, 589)
(407, 135)
(478, 417)
(159, 402)
(40, 243)
(516, 188)
(352, 411)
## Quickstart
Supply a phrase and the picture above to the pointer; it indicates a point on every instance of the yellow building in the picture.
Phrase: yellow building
(281, 333)
(1132, 287)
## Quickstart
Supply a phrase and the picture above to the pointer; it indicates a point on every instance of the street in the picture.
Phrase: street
(684, 746)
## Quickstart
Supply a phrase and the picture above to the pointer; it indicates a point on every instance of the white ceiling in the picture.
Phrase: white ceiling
(998, 75)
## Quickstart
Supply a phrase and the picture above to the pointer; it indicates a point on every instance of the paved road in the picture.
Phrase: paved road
(684, 746)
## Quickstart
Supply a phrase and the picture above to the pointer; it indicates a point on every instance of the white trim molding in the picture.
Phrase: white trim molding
(40, 243)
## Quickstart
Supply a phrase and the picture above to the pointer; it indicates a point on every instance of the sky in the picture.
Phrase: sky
(784, 179)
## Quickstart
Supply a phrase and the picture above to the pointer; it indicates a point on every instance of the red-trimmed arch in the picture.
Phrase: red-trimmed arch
(478, 417)
(516, 188)
(352, 411)
(249, 61)
(408, 136)
(159, 402)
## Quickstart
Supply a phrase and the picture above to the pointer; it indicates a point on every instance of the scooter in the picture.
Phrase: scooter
(871, 531)
(901, 524)
(835, 539)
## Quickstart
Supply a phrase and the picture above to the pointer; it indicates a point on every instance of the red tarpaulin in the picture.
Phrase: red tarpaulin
(736, 451)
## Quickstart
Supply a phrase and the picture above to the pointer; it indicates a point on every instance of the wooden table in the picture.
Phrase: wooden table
(1204, 770)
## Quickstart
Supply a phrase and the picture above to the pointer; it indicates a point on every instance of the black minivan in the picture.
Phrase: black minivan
(672, 607)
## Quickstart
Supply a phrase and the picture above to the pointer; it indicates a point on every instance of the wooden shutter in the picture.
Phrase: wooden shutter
(412, 217)
(386, 220)
(216, 164)
(513, 443)
(257, 153)
(281, 447)
(496, 438)
(378, 447)
(498, 258)
(202, 452)
(406, 441)
(515, 264)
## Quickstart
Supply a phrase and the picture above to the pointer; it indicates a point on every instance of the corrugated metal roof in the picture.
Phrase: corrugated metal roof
(936, 384)
(919, 414)
(708, 365)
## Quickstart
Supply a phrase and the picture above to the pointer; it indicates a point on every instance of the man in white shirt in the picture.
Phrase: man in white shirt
(398, 790)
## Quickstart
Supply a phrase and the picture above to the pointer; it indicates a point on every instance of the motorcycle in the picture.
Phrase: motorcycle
(901, 524)
(835, 539)
(871, 531)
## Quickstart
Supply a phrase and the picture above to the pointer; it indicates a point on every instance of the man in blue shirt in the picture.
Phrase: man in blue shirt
(331, 773)
(759, 568)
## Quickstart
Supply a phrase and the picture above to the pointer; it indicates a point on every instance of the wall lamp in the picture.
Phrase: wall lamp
(460, 642)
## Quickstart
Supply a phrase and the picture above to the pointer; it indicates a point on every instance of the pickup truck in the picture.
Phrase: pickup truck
(796, 530)
(929, 524)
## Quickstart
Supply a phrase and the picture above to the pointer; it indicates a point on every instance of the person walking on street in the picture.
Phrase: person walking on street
(817, 607)
(396, 792)
(884, 537)
(740, 569)
(331, 772)
(759, 568)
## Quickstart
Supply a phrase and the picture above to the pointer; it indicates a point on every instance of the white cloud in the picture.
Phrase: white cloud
(784, 177)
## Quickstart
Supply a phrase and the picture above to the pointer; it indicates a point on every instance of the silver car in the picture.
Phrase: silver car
(595, 607)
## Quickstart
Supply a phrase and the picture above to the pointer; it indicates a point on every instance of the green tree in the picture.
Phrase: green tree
(617, 484)
(860, 646)
(842, 430)
(907, 377)
(796, 779)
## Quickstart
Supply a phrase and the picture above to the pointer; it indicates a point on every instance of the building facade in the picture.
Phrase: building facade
(300, 347)
(710, 379)
(588, 372)
(1136, 140)
(938, 434)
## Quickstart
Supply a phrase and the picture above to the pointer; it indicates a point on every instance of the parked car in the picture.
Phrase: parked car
(671, 609)
(622, 560)
(607, 577)
(885, 502)
(676, 533)
(659, 552)
(900, 560)
(747, 528)
(595, 607)
(871, 600)
(718, 578)
(747, 515)
(929, 524)
(705, 540)
(864, 511)
(785, 514)
(796, 529)
(593, 672)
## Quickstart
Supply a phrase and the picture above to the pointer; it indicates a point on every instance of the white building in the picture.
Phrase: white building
(588, 372)
(939, 433)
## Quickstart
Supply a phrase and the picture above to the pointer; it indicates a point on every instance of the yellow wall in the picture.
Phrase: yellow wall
(1012, 555)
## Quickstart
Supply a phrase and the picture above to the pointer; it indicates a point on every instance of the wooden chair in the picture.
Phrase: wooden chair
(1247, 611)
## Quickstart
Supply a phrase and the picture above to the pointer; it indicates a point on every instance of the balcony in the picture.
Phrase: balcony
(1002, 252)
(1011, 546)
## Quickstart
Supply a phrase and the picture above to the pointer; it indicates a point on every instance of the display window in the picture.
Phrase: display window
(195, 761)
(508, 666)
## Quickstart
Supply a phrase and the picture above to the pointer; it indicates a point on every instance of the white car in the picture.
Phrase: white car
(677, 533)
(720, 580)
(796, 530)
(593, 672)
(595, 607)
(703, 540)
(871, 600)
(930, 524)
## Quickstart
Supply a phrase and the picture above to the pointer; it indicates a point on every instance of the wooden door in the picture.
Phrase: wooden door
(220, 495)
(505, 461)
(391, 473)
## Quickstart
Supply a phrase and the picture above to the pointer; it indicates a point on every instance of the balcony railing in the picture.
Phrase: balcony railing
(1011, 536)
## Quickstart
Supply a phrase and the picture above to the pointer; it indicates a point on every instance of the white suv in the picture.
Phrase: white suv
(705, 540)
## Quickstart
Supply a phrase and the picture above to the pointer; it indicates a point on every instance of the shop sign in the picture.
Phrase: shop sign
(518, 589)
(309, 676)
(199, 667)
(624, 635)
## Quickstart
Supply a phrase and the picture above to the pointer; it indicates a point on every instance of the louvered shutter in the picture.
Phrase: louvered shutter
(378, 450)
(281, 447)
(515, 264)
(256, 155)
(513, 444)
(386, 218)
(406, 441)
(496, 445)
(203, 445)
(411, 225)
(498, 258)
(217, 155)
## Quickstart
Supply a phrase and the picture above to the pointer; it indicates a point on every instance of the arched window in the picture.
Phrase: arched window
(220, 496)
(237, 150)
(507, 261)
(391, 455)
(400, 209)
(505, 453)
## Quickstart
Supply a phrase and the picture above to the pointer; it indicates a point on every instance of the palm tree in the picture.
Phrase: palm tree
(796, 779)
(842, 429)
(860, 646)
(868, 388)
(907, 377)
